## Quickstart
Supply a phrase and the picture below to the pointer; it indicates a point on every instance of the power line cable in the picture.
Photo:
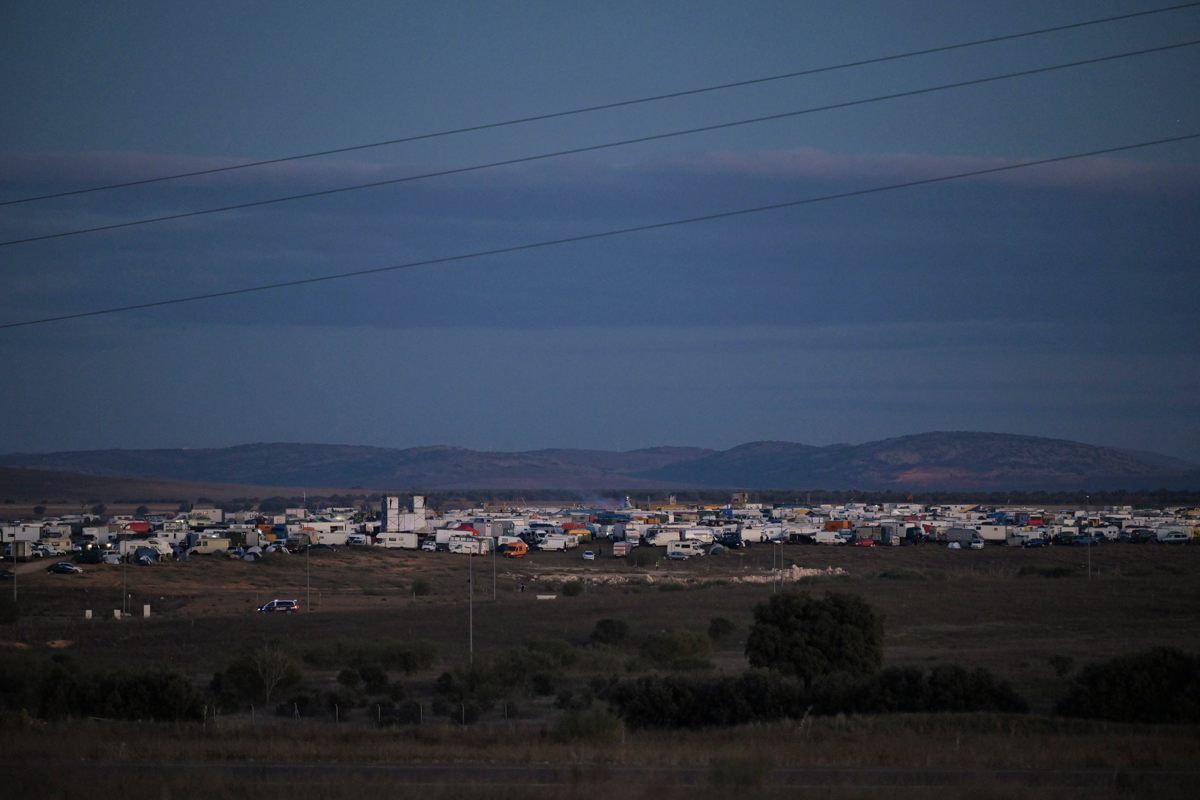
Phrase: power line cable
(591, 148)
(608, 106)
(601, 234)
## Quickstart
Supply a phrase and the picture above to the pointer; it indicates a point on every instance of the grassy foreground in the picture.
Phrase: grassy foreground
(1031, 617)
(958, 755)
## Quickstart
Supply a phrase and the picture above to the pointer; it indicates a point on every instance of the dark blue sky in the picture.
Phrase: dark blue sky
(1056, 301)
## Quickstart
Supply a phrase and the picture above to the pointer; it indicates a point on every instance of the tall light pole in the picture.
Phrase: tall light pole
(493, 545)
(307, 577)
(471, 608)
(1087, 510)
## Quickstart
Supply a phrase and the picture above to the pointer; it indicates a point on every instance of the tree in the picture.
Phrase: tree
(799, 635)
(263, 672)
(141, 512)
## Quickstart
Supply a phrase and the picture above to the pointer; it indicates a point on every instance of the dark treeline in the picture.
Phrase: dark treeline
(1156, 498)
(670, 701)
(609, 498)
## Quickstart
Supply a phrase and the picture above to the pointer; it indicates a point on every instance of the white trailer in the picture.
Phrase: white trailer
(559, 541)
(992, 533)
(207, 545)
(700, 534)
(690, 547)
(466, 543)
(394, 541)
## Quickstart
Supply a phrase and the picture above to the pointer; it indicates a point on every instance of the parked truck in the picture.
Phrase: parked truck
(558, 541)
(468, 543)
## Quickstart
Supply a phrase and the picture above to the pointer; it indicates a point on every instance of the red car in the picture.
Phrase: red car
(864, 542)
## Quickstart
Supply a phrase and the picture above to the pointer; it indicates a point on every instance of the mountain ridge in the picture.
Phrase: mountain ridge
(934, 460)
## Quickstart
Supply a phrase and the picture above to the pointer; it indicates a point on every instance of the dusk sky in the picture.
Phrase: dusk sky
(1059, 300)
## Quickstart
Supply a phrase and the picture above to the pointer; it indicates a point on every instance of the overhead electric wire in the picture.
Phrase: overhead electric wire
(608, 106)
(517, 248)
(594, 147)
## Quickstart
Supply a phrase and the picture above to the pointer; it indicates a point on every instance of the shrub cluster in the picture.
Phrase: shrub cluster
(677, 650)
(60, 689)
(1159, 685)
(676, 702)
(530, 669)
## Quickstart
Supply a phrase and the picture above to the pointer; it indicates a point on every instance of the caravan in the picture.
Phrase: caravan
(688, 547)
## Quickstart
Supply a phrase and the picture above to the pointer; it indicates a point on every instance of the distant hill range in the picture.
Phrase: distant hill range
(946, 460)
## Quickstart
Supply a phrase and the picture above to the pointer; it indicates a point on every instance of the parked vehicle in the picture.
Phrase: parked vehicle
(517, 549)
(677, 555)
(429, 545)
(280, 606)
(64, 568)
(588, 555)
(688, 547)
(558, 541)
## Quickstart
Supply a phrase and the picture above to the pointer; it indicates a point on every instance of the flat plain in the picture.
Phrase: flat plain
(1032, 617)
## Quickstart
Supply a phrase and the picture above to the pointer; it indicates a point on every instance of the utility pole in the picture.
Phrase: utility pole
(493, 541)
(1087, 510)
(307, 573)
(471, 609)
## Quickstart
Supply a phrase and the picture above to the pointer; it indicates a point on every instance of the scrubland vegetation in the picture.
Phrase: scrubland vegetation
(735, 683)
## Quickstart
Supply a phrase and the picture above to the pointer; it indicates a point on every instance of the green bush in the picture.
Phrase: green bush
(1062, 665)
(609, 631)
(374, 677)
(799, 635)
(572, 588)
(421, 587)
(666, 648)
(1159, 685)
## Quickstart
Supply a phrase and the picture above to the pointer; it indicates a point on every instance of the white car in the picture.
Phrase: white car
(588, 555)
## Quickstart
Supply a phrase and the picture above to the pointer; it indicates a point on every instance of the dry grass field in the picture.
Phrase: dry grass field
(1006, 609)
